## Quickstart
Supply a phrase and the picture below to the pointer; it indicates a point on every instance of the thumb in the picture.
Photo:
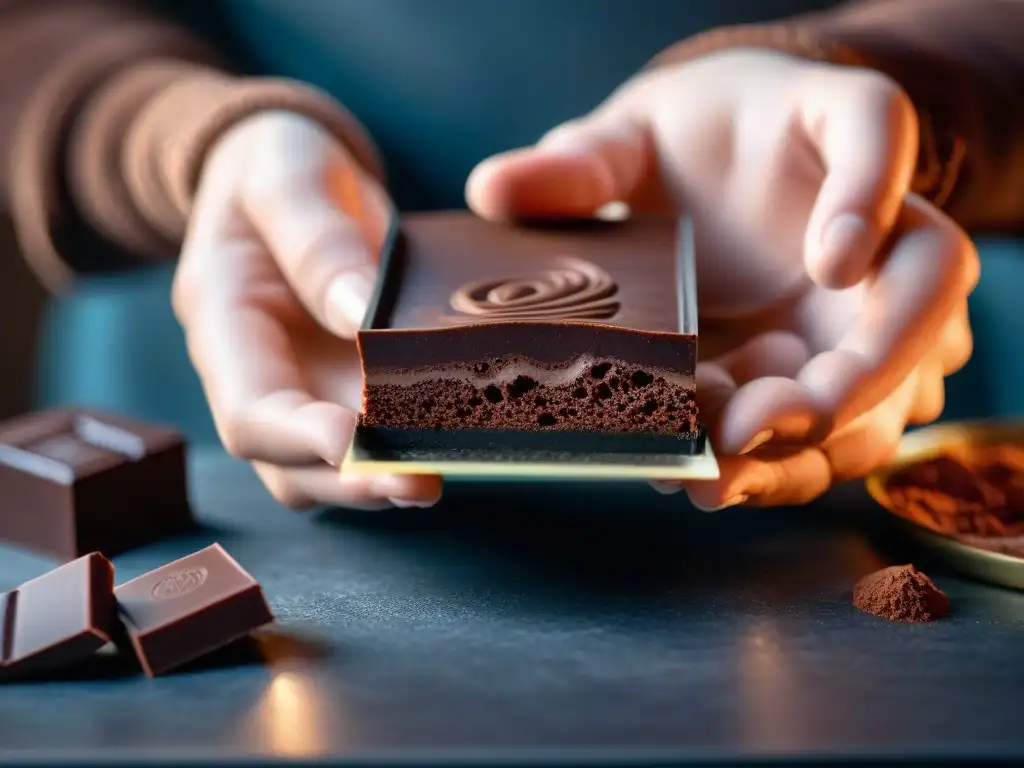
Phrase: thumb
(574, 171)
(864, 128)
(324, 230)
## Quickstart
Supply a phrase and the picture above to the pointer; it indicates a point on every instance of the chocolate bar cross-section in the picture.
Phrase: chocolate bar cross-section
(78, 482)
(586, 328)
(189, 608)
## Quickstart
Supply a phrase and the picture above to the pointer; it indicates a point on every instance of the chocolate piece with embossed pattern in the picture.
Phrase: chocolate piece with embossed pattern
(190, 607)
(73, 482)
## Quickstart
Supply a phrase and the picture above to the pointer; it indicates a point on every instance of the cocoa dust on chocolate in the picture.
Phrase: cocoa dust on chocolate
(900, 593)
(974, 495)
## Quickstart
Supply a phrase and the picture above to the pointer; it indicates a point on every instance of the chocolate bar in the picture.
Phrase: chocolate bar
(189, 608)
(575, 328)
(78, 482)
(59, 618)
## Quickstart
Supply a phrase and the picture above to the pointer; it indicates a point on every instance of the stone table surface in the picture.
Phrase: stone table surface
(598, 623)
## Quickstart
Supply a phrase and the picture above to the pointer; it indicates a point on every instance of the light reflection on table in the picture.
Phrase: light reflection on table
(768, 685)
(292, 718)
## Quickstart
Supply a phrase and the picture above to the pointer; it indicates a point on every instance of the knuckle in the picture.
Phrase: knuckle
(928, 408)
(887, 96)
(871, 443)
(777, 480)
(959, 353)
(887, 450)
(888, 443)
(956, 258)
(926, 413)
(964, 260)
(880, 454)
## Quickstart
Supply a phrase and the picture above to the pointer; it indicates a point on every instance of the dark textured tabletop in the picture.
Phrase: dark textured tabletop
(602, 623)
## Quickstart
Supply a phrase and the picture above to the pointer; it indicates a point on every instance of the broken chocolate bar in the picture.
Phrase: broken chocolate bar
(189, 608)
(573, 328)
(78, 482)
(57, 619)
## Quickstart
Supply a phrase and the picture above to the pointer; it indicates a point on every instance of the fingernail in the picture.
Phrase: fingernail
(613, 212)
(758, 440)
(347, 299)
(733, 501)
(667, 487)
(412, 503)
(590, 179)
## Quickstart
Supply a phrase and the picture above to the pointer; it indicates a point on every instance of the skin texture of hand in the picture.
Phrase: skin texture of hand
(832, 302)
(274, 278)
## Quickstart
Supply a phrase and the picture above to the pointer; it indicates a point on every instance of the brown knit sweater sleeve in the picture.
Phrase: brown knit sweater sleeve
(962, 64)
(107, 113)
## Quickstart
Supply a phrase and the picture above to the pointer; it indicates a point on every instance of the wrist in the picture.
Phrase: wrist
(174, 150)
(796, 40)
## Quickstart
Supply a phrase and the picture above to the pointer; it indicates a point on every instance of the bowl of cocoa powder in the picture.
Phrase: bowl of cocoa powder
(958, 489)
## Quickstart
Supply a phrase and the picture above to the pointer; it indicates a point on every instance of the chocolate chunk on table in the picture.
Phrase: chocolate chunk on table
(587, 328)
(59, 618)
(73, 482)
(190, 607)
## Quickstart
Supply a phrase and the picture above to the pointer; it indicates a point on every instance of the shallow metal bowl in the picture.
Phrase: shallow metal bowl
(923, 444)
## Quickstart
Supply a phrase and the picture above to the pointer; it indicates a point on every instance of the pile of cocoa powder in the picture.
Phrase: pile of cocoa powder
(900, 593)
(974, 494)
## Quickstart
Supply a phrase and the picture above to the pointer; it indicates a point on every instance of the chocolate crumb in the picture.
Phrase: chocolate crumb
(900, 593)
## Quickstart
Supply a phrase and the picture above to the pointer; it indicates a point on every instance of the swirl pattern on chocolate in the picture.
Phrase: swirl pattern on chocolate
(571, 289)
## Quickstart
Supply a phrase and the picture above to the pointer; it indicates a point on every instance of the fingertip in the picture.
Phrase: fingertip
(418, 490)
(539, 183)
(412, 503)
(483, 190)
(733, 501)
(667, 487)
(346, 300)
(712, 496)
(330, 428)
(766, 409)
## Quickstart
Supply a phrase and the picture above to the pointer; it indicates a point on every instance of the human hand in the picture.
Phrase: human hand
(832, 301)
(274, 278)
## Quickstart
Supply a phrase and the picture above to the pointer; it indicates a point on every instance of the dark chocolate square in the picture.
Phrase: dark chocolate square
(73, 482)
(59, 618)
(189, 608)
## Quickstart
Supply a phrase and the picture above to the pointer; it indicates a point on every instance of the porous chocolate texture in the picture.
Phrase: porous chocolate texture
(480, 325)
(605, 396)
(75, 482)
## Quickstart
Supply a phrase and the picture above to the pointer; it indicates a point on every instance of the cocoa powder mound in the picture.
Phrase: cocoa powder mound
(900, 593)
